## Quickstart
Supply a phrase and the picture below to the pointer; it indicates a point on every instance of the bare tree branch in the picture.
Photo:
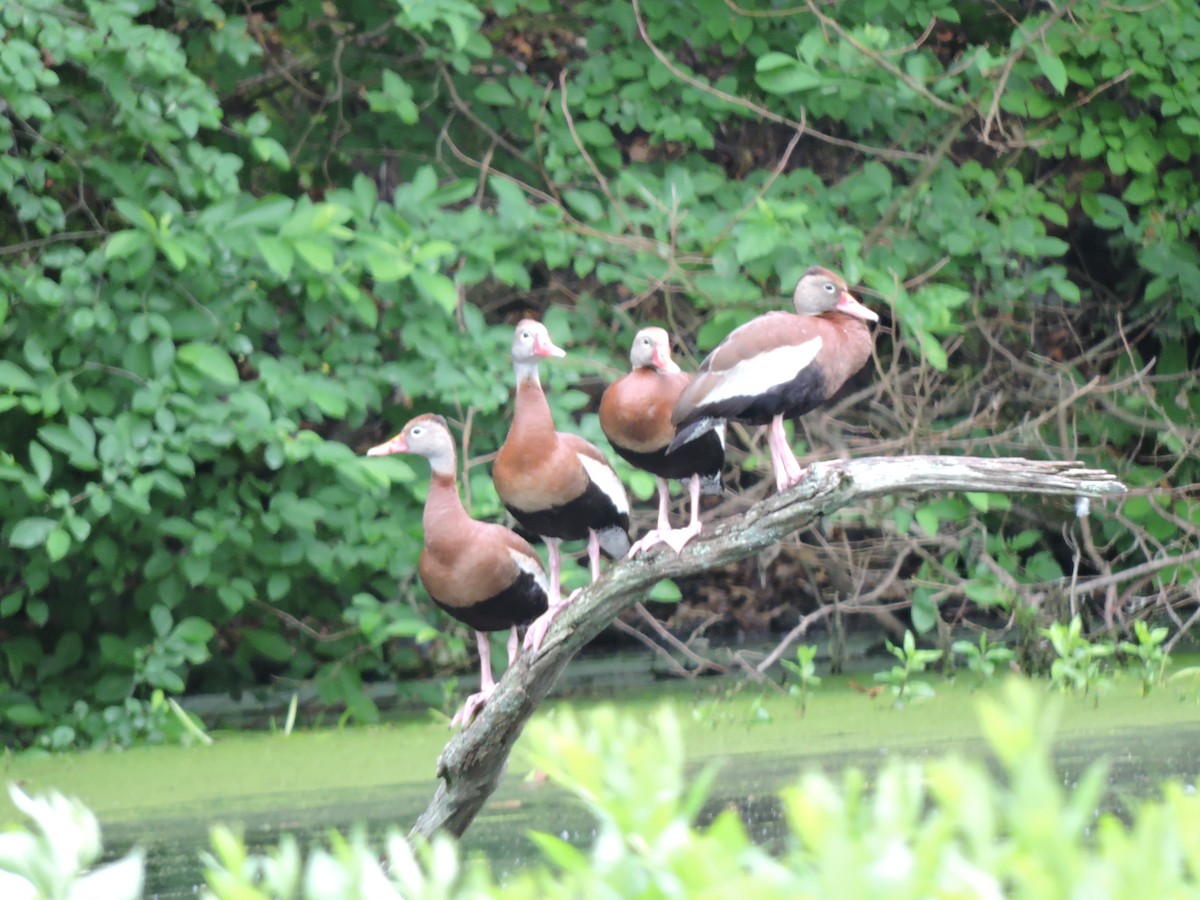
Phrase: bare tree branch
(471, 764)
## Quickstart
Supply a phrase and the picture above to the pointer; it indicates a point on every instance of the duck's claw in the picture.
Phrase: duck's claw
(471, 708)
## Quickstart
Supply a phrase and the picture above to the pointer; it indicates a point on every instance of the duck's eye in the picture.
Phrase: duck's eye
(525, 335)
(829, 288)
(416, 432)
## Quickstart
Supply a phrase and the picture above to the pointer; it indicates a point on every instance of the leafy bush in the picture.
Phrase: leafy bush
(919, 829)
(239, 246)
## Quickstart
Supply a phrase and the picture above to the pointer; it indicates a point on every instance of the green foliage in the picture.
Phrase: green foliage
(983, 658)
(805, 671)
(56, 856)
(941, 827)
(240, 245)
(1079, 663)
(913, 661)
(1150, 655)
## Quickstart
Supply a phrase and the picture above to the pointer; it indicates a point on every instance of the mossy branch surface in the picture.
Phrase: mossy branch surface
(470, 766)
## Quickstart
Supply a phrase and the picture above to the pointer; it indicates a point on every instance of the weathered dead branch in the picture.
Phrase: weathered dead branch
(471, 764)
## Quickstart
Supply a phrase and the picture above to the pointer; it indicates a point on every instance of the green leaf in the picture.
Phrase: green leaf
(15, 378)
(932, 349)
(778, 73)
(665, 591)
(125, 243)
(586, 205)
(270, 644)
(31, 532)
(318, 254)
(25, 714)
(438, 288)
(209, 360)
(494, 94)
(58, 542)
(161, 619)
(924, 612)
(386, 266)
(173, 251)
(194, 630)
(977, 499)
(756, 240)
(276, 253)
(1052, 67)
(270, 150)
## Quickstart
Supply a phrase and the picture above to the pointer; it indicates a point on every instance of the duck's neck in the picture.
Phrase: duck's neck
(531, 416)
(444, 517)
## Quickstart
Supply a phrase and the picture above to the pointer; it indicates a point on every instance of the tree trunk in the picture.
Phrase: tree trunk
(470, 765)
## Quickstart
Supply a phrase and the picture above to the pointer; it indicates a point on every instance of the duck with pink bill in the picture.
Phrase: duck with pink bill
(635, 415)
(779, 366)
(555, 484)
(484, 575)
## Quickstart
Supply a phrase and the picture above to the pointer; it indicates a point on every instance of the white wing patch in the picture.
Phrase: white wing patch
(760, 373)
(532, 567)
(606, 479)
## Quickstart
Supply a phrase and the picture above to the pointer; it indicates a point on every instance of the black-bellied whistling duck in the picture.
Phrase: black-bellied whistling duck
(556, 485)
(779, 366)
(484, 575)
(635, 413)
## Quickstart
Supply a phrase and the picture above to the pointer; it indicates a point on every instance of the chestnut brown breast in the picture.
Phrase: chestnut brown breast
(482, 574)
(635, 410)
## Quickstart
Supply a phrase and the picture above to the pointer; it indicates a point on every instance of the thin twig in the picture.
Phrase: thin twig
(699, 661)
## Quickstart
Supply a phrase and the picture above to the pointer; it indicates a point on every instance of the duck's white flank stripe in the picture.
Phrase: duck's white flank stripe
(606, 479)
(760, 373)
(532, 566)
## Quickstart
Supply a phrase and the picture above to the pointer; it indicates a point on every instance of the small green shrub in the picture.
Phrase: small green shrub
(1151, 658)
(913, 661)
(1080, 664)
(805, 671)
(983, 658)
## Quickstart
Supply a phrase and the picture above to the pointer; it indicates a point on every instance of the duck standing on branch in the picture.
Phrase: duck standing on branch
(635, 413)
(556, 485)
(484, 575)
(779, 366)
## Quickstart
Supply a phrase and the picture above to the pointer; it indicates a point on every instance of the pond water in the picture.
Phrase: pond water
(166, 798)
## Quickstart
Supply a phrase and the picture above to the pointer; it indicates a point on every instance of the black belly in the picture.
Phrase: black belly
(519, 603)
(703, 456)
(791, 399)
(591, 510)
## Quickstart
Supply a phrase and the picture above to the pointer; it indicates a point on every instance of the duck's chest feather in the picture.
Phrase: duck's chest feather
(635, 411)
(536, 468)
(481, 573)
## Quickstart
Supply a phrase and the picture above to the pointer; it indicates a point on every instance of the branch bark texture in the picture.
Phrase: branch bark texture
(470, 766)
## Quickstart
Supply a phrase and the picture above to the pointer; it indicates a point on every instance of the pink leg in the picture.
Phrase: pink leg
(514, 646)
(536, 633)
(594, 554)
(675, 538)
(487, 684)
(655, 535)
(777, 465)
(788, 470)
(555, 596)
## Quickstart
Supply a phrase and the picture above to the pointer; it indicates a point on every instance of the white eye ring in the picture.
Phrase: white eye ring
(829, 288)
(416, 431)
